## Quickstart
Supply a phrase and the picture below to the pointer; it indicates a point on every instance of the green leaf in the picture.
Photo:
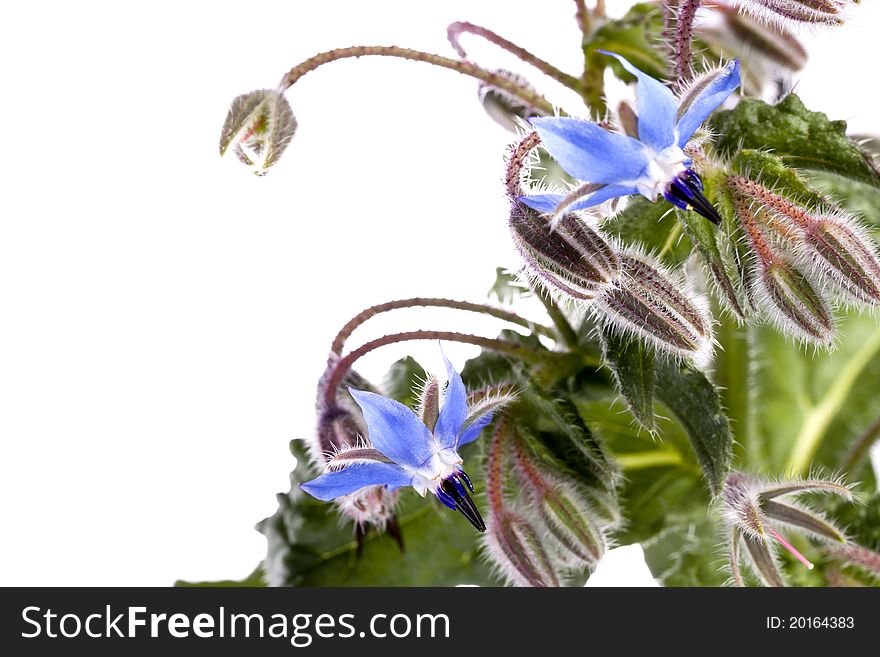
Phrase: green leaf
(255, 580)
(771, 171)
(697, 406)
(507, 287)
(702, 234)
(803, 139)
(402, 378)
(687, 554)
(813, 406)
(652, 226)
(631, 362)
(634, 36)
(307, 545)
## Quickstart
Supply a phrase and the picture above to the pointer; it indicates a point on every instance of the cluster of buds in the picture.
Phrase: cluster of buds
(626, 289)
(751, 506)
(802, 259)
(541, 525)
(771, 51)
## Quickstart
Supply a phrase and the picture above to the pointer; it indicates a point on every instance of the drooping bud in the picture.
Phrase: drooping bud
(258, 127)
(341, 442)
(504, 108)
(782, 290)
(649, 302)
(833, 241)
(563, 510)
(515, 547)
(846, 255)
(572, 259)
(816, 12)
(737, 33)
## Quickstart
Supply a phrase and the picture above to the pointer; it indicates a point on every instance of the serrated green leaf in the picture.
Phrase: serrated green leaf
(631, 362)
(307, 545)
(771, 171)
(697, 406)
(803, 139)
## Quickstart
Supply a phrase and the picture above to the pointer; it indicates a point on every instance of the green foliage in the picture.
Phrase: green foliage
(308, 546)
(803, 139)
(631, 363)
(634, 37)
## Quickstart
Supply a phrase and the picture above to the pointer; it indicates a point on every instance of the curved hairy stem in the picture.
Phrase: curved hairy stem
(344, 364)
(455, 30)
(364, 315)
(526, 95)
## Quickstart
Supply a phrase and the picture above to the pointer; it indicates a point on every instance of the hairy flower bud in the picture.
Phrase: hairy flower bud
(563, 510)
(782, 290)
(259, 126)
(572, 259)
(649, 302)
(504, 108)
(515, 547)
(734, 32)
(341, 442)
(816, 12)
(830, 241)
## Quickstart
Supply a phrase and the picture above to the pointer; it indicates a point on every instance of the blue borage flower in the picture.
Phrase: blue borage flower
(404, 451)
(653, 164)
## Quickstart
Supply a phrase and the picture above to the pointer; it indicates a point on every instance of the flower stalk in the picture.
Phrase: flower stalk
(528, 96)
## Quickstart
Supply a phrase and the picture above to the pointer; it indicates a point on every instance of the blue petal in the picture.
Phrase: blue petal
(657, 107)
(707, 101)
(548, 203)
(589, 152)
(331, 485)
(472, 432)
(454, 410)
(394, 429)
(603, 194)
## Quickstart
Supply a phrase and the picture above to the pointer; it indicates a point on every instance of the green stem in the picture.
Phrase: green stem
(415, 302)
(526, 95)
(560, 321)
(818, 419)
(861, 446)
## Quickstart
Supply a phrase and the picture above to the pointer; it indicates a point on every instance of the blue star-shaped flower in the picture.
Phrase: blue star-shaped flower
(652, 164)
(406, 452)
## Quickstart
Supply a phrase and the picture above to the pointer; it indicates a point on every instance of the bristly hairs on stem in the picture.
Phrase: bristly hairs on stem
(682, 41)
(528, 96)
(456, 29)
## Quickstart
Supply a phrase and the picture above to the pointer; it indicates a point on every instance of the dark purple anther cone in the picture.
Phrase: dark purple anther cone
(454, 495)
(686, 192)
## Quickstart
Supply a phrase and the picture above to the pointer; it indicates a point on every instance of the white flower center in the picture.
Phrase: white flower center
(442, 464)
(661, 170)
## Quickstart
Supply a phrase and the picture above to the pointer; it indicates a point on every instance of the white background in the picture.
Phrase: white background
(164, 315)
